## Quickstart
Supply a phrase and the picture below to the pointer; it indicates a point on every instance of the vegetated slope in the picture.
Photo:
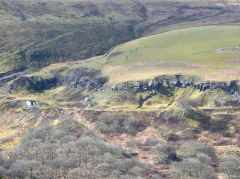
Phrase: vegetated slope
(141, 96)
(201, 58)
(39, 33)
(209, 52)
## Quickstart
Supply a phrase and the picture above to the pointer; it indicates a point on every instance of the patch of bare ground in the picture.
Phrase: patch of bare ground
(11, 125)
(134, 71)
(222, 145)
(111, 68)
(220, 175)
(86, 60)
(235, 49)
(14, 125)
(64, 64)
(221, 74)
(234, 61)
(124, 74)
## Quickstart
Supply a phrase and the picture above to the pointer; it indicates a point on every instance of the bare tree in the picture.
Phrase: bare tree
(77, 173)
(183, 103)
(191, 169)
(19, 169)
(3, 172)
(63, 152)
(222, 100)
(140, 101)
(230, 166)
(191, 149)
(164, 154)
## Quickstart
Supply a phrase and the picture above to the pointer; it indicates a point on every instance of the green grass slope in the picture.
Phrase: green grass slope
(209, 52)
(39, 33)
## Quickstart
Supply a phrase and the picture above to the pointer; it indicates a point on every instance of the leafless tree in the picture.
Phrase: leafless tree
(230, 166)
(183, 103)
(191, 168)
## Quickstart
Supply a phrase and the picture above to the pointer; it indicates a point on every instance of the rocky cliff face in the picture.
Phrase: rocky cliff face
(83, 79)
(11, 75)
(178, 81)
(77, 79)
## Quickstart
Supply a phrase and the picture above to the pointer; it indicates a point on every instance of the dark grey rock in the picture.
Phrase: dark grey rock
(179, 81)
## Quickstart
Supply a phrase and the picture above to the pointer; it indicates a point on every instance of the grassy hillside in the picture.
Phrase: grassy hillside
(38, 33)
(211, 53)
(41, 33)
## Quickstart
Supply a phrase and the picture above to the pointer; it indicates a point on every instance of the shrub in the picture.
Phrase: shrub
(155, 176)
(238, 139)
(132, 125)
(107, 124)
(68, 138)
(126, 165)
(164, 154)
(18, 169)
(3, 172)
(58, 135)
(203, 158)
(191, 149)
(132, 167)
(77, 173)
(89, 133)
(103, 170)
(166, 115)
(173, 137)
(137, 171)
(1, 159)
(58, 153)
(230, 166)
(109, 158)
(45, 171)
(133, 144)
(130, 177)
(191, 169)
(163, 132)
(152, 141)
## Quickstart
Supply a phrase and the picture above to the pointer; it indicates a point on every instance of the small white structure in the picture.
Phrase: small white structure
(30, 103)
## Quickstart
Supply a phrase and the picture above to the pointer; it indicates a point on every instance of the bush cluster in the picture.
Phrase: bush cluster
(230, 166)
(191, 168)
(108, 123)
(66, 151)
(194, 161)
(163, 132)
(164, 153)
(191, 149)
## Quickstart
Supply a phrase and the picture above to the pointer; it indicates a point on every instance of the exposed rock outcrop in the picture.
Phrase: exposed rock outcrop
(6, 77)
(178, 81)
(92, 80)
(156, 83)
(78, 79)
